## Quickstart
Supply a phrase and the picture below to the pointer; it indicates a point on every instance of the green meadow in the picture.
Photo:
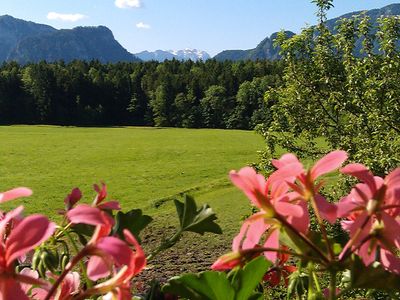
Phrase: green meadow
(142, 167)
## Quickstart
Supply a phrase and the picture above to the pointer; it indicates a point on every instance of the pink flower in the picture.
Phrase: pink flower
(101, 195)
(105, 251)
(86, 214)
(14, 194)
(72, 198)
(273, 200)
(243, 252)
(307, 187)
(25, 236)
(371, 210)
(68, 288)
(119, 286)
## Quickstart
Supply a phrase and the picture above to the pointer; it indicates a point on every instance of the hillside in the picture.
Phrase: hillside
(267, 50)
(24, 42)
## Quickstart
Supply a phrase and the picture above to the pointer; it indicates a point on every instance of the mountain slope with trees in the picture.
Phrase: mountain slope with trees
(267, 50)
(25, 42)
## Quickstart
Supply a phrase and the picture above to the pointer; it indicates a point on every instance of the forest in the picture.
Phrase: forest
(187, 94)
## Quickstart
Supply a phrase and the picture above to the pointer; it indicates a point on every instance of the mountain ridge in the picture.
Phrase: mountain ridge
(266, 49)
(26, 41)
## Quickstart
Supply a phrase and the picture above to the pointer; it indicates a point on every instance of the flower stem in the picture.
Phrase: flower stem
(332, 286)
(304, 238)
(322, 228)
(82, 265)
(264, 249)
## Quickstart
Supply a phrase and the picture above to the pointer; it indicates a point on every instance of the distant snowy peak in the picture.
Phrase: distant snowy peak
(192, 54)
(186, 54)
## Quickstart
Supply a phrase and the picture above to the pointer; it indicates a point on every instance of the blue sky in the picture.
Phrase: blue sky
(210, 25)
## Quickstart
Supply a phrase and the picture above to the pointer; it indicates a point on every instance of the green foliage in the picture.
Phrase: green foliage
(133, 220)
(238, 285)
(196, 220)
(332, 92)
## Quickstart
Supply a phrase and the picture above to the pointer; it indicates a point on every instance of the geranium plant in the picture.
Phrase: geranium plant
(279, 237)
(92, 253)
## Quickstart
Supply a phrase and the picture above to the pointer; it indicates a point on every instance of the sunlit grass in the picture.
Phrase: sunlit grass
(139, 165)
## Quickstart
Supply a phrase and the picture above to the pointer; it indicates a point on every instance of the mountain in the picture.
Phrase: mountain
(374, 14)
(12, 31)
(266, 49)
(161, 55)
(24, 42)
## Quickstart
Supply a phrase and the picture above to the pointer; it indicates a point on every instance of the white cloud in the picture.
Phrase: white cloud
(65, 17)
(142, 25)
(128, 3)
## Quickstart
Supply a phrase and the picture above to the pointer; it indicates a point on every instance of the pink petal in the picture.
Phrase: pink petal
(86, 214)
(393, 179)
(110, 205)
(8, 217)
(280, 188)
(362, 173)
(301, 223)
(346, 225)
(117, 248)
(358, 222)
(31, 273)
(102, 230)
(357, 200)
(328, 210)
(101, 193)
(288, 209)
(328, 163)
(227, 262)
(254, 232)
(345, 206)
(390, 262)
(238, 240)
(286, 173)
(98, 267)
(139, 261)
(15, 193)
(272, 242)
(367, 256)
(39, 294)
(391, 229)
(352, 227)
(251, 183)
(285, 159)
(28, 234)
(11, 290)
(73, 198)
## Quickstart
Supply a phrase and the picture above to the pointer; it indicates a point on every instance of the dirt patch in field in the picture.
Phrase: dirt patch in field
(193, 253)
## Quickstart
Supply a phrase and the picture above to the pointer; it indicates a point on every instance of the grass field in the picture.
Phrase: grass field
(140, 166)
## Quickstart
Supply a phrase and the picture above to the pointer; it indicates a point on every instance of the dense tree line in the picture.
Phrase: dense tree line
(180, 94)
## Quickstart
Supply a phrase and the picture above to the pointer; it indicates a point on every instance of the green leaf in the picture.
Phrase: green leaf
(133, 220)
(246, 280)
(373, 277)
(218, 285)
(196, 220)
(206, 285)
